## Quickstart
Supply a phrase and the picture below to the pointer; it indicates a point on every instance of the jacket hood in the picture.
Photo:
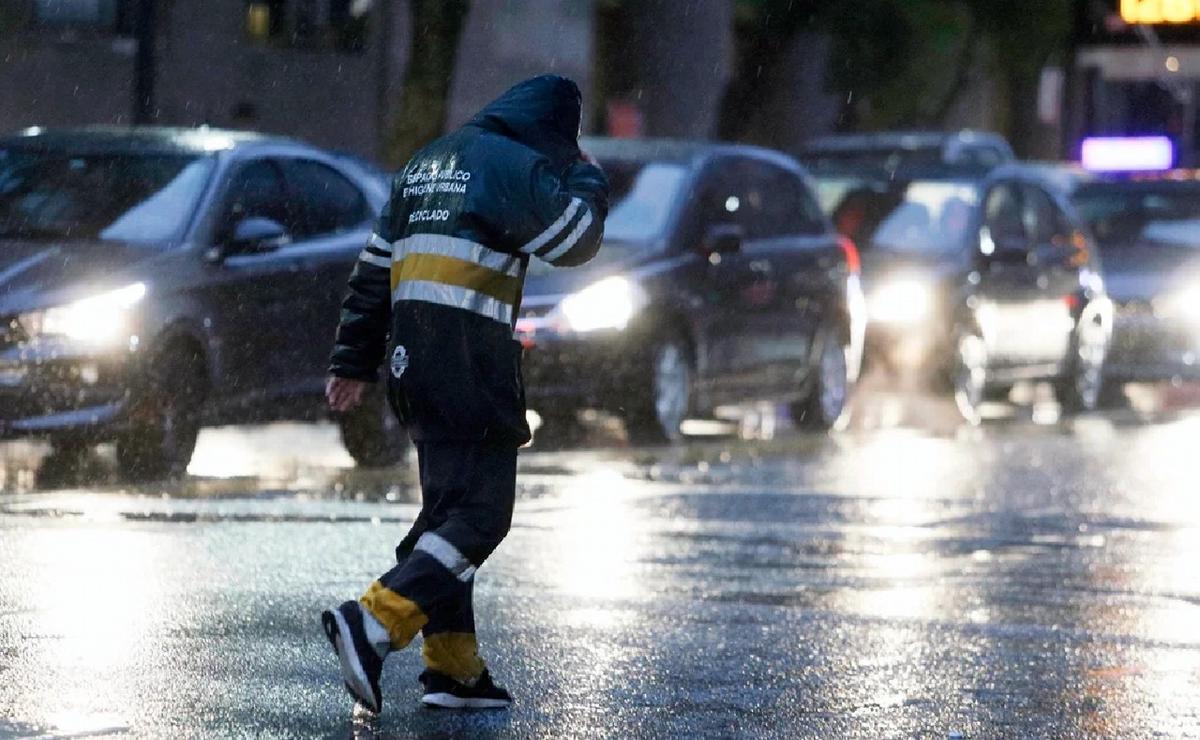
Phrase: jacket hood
(542, 113)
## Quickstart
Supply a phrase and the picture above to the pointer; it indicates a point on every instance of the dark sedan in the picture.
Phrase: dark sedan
(1148, 231)
(154, 280)
(984, 281)
(719, 282)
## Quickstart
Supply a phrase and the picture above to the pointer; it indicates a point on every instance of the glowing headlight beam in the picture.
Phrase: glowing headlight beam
(901, 301)
(98, 319)
(608, 304)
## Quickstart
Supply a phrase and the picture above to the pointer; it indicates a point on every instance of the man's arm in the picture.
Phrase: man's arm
(361, 339)
(568, 214)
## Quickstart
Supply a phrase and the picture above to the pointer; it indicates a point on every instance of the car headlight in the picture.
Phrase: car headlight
(608, 304)
(901, 301)
(1182, 304)
(99, 319)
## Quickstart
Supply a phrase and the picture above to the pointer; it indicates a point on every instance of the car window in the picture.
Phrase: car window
(131, 197)
(788, 206)
(766, 201)
(1044, 220)
(1005, 218)
(322, 201)
(255, 191)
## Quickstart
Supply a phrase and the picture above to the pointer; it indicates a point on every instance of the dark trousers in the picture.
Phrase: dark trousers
(467, 495)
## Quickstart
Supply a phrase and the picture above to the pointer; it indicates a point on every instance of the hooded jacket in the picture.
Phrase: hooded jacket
(443, 273)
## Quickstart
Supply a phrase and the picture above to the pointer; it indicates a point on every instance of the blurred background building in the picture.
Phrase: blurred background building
(374, 76)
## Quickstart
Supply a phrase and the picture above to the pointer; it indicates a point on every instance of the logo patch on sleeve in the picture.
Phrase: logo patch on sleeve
(399, 361)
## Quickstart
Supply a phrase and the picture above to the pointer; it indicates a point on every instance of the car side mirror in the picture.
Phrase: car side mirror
(723, 239)
(252, 235)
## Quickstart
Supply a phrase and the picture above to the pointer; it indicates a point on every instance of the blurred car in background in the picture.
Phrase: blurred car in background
(1147, 228)
(983, 281)
(964, 151)
(720, 282)
(155, 280)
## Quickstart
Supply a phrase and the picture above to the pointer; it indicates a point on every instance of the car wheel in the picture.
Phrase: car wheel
(665, 399)
(826, 402)
(165, 422)
(970, 376)
(1080, 390)
(560, 429)
(371, 433)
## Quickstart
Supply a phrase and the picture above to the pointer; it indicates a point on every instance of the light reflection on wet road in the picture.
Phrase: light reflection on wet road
(1021, 580)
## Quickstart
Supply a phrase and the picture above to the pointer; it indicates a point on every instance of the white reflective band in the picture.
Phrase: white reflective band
(377, 242)
(454, 297)
(441, 550)
(463, 249)
(571, 240)
(374, 259)
(553, 229)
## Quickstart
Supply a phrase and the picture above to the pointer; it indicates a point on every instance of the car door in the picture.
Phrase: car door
(1008, 298)
(1056, 255)
(793, 261)
(330, 220)
(253, 302)
(736, 288)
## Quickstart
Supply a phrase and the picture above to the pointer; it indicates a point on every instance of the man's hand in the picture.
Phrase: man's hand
(586, 156)
(344, 394)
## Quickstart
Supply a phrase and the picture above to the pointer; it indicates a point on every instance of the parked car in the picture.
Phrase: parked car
(961, 150)
(1147, 228)
(983, 281)
(720, 282)
(155, 280)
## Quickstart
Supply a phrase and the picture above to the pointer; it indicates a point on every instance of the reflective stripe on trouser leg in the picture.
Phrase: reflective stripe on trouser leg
(455, 654)
(400, 616)
(450, 646)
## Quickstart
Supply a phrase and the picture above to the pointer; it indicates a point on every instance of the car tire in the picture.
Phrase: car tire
(664, 397)
(165, 422)
(1082, 388)
(826, 402)
(560, 429)
(371, 433)
(969, 375)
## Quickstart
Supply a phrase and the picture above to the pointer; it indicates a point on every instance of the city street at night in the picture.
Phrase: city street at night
(1024, 579)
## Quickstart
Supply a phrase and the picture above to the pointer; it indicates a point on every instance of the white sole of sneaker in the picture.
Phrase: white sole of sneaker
(450, 701)
(352, 670)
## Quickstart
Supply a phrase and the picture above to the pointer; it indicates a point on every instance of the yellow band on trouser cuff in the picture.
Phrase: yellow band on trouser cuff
(455, 654)
(401, 617)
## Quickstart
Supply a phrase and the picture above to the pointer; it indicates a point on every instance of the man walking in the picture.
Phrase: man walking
(443, 275)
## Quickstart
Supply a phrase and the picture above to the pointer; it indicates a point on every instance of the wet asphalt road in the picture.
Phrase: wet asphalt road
(1025, 580)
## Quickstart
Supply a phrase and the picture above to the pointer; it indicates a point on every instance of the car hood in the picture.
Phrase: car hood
(38, 274)
(562, 281)
(1141, 273)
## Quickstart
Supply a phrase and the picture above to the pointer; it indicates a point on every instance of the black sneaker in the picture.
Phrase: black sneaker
(361, 665)
(443, 692)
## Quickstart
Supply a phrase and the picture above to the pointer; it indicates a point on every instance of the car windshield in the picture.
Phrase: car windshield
(922, 216)
(641, 196)
(111, 196)
(1126, 215)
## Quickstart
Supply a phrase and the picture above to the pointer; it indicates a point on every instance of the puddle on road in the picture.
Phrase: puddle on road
(290, 458)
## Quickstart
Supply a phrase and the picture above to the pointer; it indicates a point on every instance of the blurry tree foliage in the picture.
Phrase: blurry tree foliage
(436, 29)
(900, 63)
